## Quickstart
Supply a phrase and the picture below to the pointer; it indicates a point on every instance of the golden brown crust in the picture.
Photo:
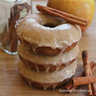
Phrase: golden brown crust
(46, 50)
(39, 85)
(41, 67)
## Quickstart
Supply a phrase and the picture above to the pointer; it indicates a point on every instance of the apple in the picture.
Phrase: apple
(81, 8)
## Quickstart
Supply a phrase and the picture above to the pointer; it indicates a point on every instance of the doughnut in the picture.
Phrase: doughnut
(45, 80)
(48, 35)
(47, 63)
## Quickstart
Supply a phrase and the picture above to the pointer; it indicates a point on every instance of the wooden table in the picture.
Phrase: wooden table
(12, 84)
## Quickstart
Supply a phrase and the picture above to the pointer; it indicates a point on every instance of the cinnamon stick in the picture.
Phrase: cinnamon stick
(8, 38)
(86, 66)
(17, 9)
(63, 13)
(70, 18)
(10, 25)
(2, 35)
(69, 85)
(85, 62)
(92, 85)
(83, 80)
(74, 87)
(14, 41)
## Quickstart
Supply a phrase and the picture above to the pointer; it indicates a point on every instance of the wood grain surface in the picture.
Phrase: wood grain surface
(12, 83)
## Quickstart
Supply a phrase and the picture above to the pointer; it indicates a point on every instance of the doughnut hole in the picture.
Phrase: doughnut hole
(50, 25)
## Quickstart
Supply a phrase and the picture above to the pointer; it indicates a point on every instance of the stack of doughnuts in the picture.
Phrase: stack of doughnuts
(48, 50)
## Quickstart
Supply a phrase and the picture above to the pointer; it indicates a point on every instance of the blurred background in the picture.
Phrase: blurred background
(41, 2)
(35, 2)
